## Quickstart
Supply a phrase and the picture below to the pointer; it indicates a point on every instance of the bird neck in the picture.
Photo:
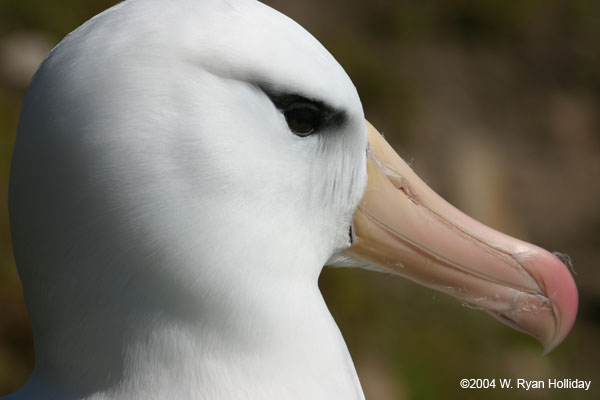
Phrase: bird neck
(266, 338)
(277, 342)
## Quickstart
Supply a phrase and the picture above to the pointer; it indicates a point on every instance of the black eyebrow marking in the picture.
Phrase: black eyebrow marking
(332, 117)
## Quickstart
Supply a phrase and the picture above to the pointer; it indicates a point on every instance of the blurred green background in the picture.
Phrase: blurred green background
(495, 103)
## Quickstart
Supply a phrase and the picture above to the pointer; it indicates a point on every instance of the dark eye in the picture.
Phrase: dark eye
(303, 119)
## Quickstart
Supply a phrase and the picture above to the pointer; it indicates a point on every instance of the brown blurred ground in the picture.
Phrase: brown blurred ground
(495, 103)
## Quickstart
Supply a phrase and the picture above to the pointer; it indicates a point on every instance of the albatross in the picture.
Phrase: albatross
(182, 172)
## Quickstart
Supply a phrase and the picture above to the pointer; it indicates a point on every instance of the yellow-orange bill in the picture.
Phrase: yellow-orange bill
(403, 226)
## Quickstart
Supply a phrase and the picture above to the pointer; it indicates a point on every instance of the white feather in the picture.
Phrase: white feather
(168, 227)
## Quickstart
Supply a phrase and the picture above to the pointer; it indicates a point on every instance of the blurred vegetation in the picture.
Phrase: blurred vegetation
(495, 103)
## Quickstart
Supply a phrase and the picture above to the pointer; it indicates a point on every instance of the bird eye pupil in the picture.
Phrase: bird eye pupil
(302, 120)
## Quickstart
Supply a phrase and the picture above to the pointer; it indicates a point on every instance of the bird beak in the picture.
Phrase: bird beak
(403, 226)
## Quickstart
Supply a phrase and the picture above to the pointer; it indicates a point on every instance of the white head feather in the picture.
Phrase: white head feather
(168, 226)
